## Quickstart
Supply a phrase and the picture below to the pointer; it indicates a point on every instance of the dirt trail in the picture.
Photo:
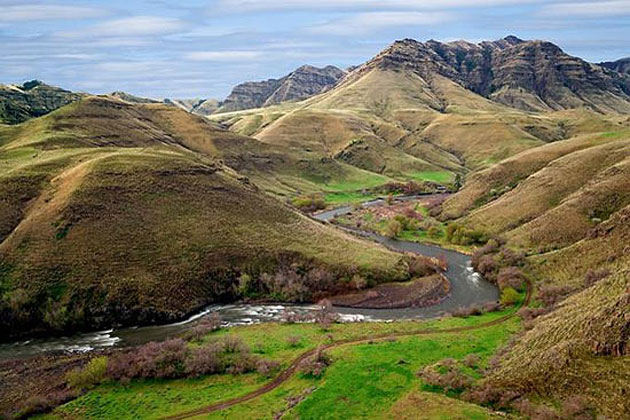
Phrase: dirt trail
(289, 371)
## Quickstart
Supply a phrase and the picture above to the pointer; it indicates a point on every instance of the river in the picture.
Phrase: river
(467, 288)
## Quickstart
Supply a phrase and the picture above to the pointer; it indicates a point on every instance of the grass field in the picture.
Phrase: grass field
(441, 177)
(386, 371)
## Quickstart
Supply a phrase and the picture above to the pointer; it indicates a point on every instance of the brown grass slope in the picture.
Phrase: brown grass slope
(580, 350)
(553, 185)
(133, 218)
(489, 184)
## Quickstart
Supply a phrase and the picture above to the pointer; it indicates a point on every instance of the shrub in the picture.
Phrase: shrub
(491, 306)
(465, 312)
(358, 282)
(446, 375)
(510, 277)
(316, 365)
(309, 203)
(461, 235)
(294, 340)
(529, 314)
(593, 276)
(326, 316)
(205, 360)
(90, 375)
(204, 326)
(509, 296)
(421, 266)
(551, 295)
(39, 404)
(267, 367)
(393, 228)
(152, 360)
(471, 360)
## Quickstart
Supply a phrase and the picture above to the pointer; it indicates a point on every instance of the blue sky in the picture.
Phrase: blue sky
(169, 48)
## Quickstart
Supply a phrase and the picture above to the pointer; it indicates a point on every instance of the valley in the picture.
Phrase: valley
(440, 232)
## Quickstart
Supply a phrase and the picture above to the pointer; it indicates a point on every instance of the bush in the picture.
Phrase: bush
(326, 316)
(267, 367)
(421, 266)
(316, 365)
(471, 360)
(205, 360)
(152, 360)
(39, 404)
(509, 296)
(491, 307)
(446, 375)
(461, 235)
(551, 295)
(510, 277)
(204, 326)
(593, 276)
(90, 375)
(294, 340)
(309, 203)
(393, 228)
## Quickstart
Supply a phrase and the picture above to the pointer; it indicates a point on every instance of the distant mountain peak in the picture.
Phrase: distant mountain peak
(303, 82)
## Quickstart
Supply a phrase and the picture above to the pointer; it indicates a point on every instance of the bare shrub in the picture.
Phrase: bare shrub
(551, 295)
(234, 344)
(446, 375)
(529, 314)
(491, 306)
(471, 360)
(358, 282)
(534, 411)
(316, 365)
(205, 326)
(465, 312)
(205, 360)
(294, 340)
(576, 407)
(266, 367)
(593, 276)
(510, 277)
(326, 316)
(39, 404)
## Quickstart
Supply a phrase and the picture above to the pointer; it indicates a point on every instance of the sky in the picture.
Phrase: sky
(201, 49)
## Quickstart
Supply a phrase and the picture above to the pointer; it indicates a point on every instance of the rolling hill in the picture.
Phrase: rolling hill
(119, 213)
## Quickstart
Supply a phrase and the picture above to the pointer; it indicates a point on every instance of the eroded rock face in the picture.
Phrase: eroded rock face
(32, 99)
(530, 75)
(302, 83)
(620, 66)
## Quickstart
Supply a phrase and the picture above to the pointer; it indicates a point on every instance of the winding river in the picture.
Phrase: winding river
(467, 288)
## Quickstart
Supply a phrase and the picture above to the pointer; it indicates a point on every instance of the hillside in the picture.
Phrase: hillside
(30, 100)
(301, 83)
(621, 66)
(120, 213)
(445, 108)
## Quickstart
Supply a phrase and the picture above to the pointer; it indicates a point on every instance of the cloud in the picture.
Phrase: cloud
(268, 5)
(371, 21)
(223, 55)
(34, 12)
(589, 9)
(136, 26)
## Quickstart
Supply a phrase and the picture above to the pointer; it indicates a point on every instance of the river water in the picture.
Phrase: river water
(467, 288)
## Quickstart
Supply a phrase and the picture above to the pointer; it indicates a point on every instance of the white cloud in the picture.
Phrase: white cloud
(589, 9)
(371, 21)
(223, 55)
(34, 12)
(136, 26)
(259, 5)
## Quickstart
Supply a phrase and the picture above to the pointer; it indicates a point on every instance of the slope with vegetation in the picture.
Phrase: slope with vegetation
(120, 213)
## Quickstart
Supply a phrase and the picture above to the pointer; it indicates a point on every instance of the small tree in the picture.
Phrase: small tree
(509, 296)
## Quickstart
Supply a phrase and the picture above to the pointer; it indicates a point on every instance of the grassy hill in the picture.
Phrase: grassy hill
(119, 213)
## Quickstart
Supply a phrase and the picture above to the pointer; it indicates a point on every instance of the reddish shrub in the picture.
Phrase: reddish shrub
(462, 312)
(594, 276)
(326, 316)
(39, 404)
(266, 367)
(551, 295)
(205, 360)
(510, 277)
(316, 365)
(205, 326)
(471, 360)
(491, 306)
(446, 375)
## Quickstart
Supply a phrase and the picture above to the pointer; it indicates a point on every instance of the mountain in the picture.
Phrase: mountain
(528, 75)
(127, 97)
(32, 99)
(196, 106)
(622, 65)
(302, 83)
(119, 213)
